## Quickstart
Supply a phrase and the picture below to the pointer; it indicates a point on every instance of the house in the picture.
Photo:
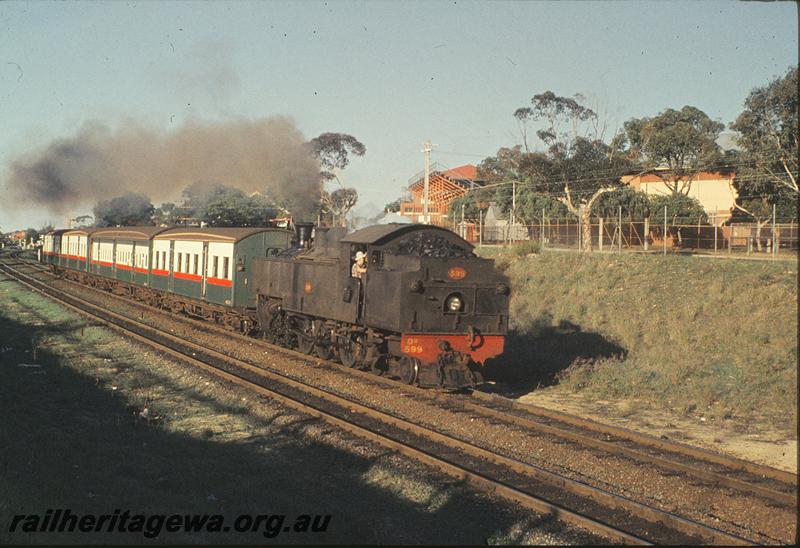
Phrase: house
(713, 189)
(18, 236)
(445, 185)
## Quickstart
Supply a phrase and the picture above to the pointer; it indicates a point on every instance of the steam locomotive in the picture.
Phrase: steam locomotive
(427, 311)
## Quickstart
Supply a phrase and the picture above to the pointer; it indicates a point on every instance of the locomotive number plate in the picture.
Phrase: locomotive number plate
(412, 345)
(457, 273)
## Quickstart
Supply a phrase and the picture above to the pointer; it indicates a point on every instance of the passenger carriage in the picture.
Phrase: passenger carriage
(213, 264)
(123, 253)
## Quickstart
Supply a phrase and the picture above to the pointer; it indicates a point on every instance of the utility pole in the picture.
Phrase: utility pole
(425, 197)
(463, 227)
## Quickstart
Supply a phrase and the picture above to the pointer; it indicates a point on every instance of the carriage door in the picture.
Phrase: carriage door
(204, 266)
(171, 285)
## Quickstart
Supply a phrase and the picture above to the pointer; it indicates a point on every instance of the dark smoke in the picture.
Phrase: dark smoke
(266, 156)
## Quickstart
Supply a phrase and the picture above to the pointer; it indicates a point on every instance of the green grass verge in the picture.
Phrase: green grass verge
(702, 336)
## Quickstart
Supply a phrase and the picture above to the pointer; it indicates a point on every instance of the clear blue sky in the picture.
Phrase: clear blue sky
(390, 73)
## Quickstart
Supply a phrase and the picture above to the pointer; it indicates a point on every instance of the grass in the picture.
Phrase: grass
(711, 337)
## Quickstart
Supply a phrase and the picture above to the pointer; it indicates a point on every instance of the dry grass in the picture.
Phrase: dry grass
(701, 336)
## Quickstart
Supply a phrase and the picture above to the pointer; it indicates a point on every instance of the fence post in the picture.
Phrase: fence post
(730, 240)
(600, 236)
(619, 219)
(715, 233)
(646, 233)
(480, 227)
(773, 231)
(665, 230)
(542, 234)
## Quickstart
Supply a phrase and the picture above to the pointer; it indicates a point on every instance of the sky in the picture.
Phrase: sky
(392, 74)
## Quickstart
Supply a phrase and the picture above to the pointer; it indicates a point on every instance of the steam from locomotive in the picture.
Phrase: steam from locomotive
(266, 155)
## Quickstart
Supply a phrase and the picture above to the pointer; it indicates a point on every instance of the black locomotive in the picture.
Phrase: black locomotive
(427, 310)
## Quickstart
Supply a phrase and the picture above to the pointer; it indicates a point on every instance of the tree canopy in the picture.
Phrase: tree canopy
(682, 141)
(768, 162)
(130, 209)
(339, 203)
(768, 134)
(333, 151)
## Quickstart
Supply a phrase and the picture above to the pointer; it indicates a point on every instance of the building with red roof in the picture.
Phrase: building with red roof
(445, 185)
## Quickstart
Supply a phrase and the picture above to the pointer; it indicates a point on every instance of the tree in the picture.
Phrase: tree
(681, 209)
(31, 235)
(131, 209)
(682, 141)
(768, 135)
(634, 204)
(165, 214)
(333, 151)
(766, 178)
(237, 209)
(580, 166)
(393, 207)
(471, 203)
(530, 206)
(339, 203)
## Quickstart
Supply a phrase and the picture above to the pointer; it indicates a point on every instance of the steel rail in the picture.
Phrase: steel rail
(592, 426)
(647, 513)
(646, 439)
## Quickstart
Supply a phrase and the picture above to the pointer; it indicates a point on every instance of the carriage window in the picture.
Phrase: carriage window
(214, 267)
(225, 268)
(196, 263)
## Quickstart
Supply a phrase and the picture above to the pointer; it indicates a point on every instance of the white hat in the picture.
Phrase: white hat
(360, 255)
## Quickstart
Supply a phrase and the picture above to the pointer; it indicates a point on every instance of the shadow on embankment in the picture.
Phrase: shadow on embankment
(70, 441)
(535, 360)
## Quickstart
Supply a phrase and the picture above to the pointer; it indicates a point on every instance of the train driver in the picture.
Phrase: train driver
(360, 266)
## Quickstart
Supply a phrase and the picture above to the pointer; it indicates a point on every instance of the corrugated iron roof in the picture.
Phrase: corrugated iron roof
(226, 234)
(128, 232)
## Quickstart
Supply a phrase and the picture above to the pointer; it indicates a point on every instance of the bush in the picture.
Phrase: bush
(524, 248)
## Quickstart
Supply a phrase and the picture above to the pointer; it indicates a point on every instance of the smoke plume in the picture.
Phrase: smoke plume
(98, 163)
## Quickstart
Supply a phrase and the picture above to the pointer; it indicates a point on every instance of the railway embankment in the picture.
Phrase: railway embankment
(700, 343)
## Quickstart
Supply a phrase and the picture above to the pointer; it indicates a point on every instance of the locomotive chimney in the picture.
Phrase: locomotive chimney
(303, 231)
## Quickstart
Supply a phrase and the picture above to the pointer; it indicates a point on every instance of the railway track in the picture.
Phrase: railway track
(746, 477)
(486, 469)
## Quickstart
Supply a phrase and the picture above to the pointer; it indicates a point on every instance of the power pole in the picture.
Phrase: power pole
(425, 197)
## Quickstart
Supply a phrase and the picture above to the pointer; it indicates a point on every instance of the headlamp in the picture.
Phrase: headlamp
(454, 303)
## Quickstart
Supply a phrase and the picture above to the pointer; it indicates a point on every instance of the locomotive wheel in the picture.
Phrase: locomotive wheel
(322, 346)
(406, 370)
(352, 350)
(305, 341)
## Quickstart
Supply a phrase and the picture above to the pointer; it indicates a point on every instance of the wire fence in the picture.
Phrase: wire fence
(769, 239)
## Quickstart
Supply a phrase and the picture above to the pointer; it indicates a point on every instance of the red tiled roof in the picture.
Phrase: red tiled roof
(467, 171)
